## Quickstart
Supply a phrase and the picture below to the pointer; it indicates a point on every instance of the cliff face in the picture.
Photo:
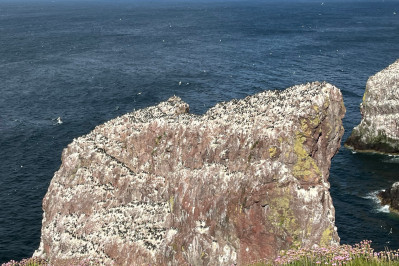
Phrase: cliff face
(378, 130)
(161, 186)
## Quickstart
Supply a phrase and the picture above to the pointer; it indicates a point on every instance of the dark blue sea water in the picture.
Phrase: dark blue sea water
(90, 61)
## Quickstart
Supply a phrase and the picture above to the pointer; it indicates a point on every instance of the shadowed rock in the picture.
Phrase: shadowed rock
(378, 130)
(161, 186)
(390, 197)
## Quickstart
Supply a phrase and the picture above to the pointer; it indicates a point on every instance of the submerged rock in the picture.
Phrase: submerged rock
(161, 186)
(378, 130)
(390, 197)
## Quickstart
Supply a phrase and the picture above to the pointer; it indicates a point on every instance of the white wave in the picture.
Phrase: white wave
(384, 208)
(392, 159)
(377, 202)
(373, 195)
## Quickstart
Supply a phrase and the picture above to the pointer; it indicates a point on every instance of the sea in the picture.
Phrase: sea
(67, 66)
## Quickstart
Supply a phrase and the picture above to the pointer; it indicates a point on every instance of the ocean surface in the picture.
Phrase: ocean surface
(87, 62)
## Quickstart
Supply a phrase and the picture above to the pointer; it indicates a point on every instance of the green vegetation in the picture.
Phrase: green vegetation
(41, 262)
(27, 262)
(357, 255)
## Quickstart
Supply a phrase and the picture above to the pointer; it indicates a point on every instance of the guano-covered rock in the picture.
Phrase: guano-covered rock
(160, 186)
(378, 130)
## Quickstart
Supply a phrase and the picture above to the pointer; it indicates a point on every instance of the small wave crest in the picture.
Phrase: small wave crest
(377, 202)
(392, 159)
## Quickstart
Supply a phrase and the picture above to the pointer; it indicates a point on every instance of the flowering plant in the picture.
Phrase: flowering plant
(358, 254)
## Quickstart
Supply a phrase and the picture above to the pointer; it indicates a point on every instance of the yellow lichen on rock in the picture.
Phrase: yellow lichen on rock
(283, 218)
(305, 127)
(171, 203)
(326, 237)
(305, 167)
(280, 212)
(272, 151)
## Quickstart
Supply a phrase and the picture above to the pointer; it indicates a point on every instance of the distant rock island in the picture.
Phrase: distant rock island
(161, 186)
(378, 130)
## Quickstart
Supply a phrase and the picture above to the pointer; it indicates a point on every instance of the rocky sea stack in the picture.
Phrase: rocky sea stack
(378, 130)
(161, 186)
(390, 197)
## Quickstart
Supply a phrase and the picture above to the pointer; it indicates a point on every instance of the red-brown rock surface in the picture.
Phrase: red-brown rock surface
(242, 182)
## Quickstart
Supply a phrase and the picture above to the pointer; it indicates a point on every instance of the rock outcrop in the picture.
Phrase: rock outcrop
(378, 130)
(161, 186)
(390, 197)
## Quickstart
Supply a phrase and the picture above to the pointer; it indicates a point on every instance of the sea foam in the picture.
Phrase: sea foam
(377, 202)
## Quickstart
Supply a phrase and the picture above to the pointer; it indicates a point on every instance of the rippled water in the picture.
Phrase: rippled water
(90, 61)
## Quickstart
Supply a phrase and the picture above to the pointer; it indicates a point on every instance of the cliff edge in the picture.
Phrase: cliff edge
(161, 186)
(378, 130)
